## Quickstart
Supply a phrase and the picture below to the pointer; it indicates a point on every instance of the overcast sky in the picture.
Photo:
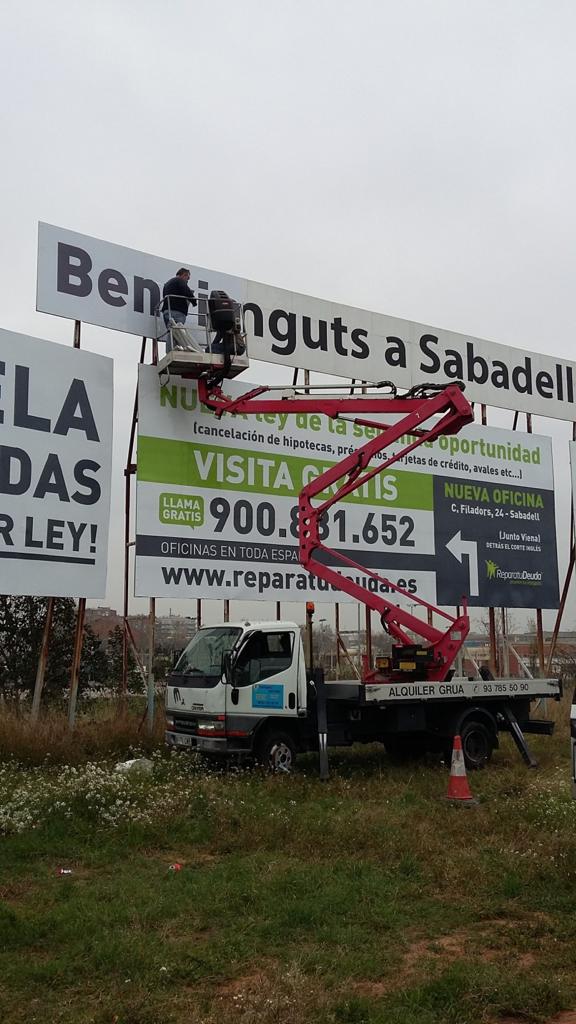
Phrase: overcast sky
(417, 159)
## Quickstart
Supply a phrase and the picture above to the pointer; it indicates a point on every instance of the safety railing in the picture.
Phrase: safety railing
(193, 331)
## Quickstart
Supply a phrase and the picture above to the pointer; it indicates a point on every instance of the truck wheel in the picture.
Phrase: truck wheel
(477, 743)
(276, 751)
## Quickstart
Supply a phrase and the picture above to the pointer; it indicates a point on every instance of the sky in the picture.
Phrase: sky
(416, 159)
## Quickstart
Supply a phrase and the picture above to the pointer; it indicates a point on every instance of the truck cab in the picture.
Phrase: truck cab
(234, 687)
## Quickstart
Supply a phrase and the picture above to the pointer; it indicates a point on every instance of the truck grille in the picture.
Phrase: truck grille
(188, 725)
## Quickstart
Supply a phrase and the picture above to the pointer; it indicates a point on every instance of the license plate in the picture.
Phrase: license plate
(182, 740)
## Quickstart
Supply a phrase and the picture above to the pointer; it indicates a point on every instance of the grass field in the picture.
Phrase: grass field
(364, 900)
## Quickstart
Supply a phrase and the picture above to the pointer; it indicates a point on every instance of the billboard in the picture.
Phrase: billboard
(216, 508)
(55, 466)
(101, 283)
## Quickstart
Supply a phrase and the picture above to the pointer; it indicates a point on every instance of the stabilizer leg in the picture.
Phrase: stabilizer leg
(518, 737)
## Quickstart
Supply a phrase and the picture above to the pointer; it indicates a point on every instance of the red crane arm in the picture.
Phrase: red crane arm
(424, 417)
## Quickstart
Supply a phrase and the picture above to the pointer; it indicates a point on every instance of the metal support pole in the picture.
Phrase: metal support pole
(337, 631)
(505, 648)
(278, 611)
(124, 681)
(539, 626)
(560, 613)
(42, 661)
(309, 634)
(130, 468)
(359, 641)
(494, 665)
(226, 611)
(198, 613)
(567, 581)
(151, 646)
(368, 622)
(76, 656)
(540, 643)
(79, 634)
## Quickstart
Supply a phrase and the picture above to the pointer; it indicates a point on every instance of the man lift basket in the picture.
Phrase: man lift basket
(211, 343)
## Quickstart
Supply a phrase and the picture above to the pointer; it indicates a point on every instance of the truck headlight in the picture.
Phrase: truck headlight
(212, 726)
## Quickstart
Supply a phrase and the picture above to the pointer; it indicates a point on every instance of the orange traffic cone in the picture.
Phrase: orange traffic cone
(458, 788)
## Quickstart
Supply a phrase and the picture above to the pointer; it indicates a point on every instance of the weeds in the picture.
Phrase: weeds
(363, 900)
(102, 730)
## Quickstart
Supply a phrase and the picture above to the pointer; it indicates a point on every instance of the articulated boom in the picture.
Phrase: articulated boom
(444, 410)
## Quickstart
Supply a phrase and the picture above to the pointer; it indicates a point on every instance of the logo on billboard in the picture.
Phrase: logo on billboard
(491, 569)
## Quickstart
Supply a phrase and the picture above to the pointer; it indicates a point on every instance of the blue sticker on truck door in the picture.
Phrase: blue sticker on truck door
(268, 695)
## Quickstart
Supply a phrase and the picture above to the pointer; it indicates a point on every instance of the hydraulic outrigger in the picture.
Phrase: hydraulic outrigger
(424, 413)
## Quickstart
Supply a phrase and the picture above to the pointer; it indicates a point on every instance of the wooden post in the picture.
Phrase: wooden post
(226, 611)
(76, 656)
(129, 470)
(151, 682)
(42, 661)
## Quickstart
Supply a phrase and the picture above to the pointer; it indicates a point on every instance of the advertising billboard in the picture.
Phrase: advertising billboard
(55, 466)
(101, 283)
(470, 514)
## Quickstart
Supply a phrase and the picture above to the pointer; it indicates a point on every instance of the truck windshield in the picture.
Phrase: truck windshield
(201, 662)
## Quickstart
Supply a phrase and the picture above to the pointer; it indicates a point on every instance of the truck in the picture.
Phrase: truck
(245, 689)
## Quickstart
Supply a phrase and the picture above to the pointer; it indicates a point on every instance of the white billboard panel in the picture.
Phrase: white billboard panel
(87, 279)
(217, 508)
(55, 467)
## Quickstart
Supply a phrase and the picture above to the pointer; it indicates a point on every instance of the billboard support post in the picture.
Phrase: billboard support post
(539, 626)
(368, 628)
(78, 637)
(42, 661)
(337, 631)
(494, 666)
(129, 470)
(76, 657)
(567, 580)
(151, 683)
(198, 613)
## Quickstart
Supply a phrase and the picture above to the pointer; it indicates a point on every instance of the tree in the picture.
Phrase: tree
(94, 667)
(21, 629)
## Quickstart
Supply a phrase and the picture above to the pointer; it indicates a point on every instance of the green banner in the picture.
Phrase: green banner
(187, 464)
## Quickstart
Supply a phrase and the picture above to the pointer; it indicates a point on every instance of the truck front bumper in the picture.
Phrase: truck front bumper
(204, 744)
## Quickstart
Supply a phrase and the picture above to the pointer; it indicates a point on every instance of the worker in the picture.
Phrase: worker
(177, 297)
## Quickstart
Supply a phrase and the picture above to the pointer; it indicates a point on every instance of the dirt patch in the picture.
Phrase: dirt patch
(465, 943)
(568, 1017)
(246, 983)
(190, 859)
(15, 891)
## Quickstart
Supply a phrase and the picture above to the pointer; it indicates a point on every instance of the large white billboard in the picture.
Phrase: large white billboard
(469, 514)
(55, 467)
(87, 279)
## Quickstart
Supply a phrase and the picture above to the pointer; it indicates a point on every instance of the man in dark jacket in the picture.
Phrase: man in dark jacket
(177, 297)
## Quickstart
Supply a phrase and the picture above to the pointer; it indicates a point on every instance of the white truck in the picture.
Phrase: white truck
(243, 689)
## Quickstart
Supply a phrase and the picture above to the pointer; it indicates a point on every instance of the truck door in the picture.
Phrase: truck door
(265, 675)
